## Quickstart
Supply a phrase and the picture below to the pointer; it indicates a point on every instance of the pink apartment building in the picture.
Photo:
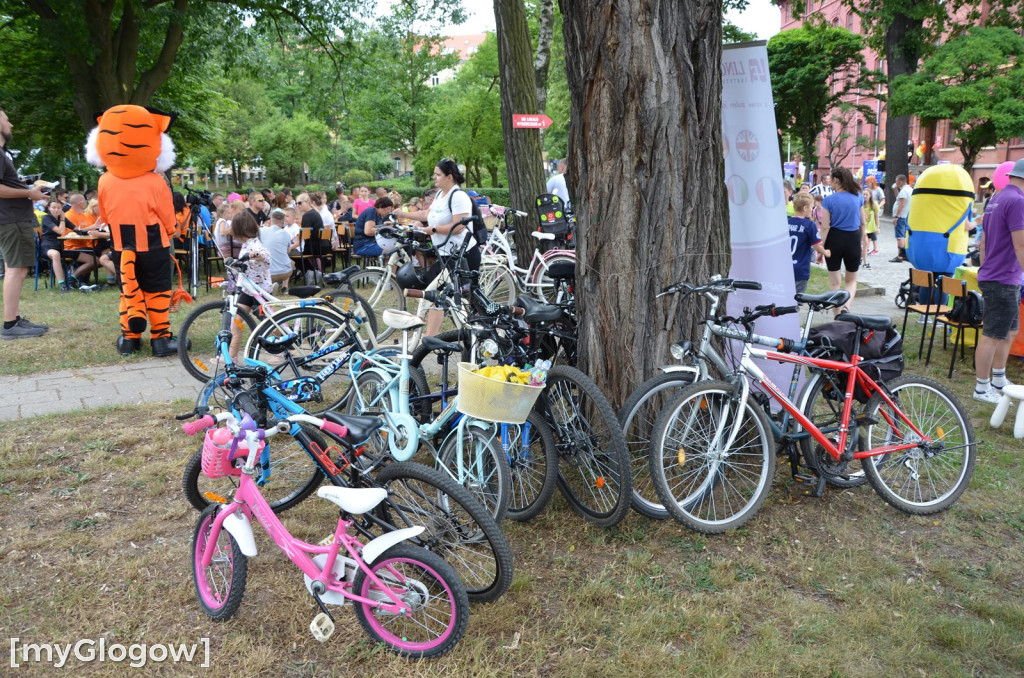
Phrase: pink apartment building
(836, 13)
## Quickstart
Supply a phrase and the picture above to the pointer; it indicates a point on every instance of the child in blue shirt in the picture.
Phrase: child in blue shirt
(803, 237)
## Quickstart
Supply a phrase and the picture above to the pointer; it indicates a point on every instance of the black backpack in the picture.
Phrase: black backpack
(968, 309)
(479, 228)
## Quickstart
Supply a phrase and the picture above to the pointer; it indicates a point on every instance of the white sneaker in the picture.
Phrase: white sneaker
(921, 320)
(990, 396)
(1000, 388)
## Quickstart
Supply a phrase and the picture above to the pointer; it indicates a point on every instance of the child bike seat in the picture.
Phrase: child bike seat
(562, 270)
(359, 428)
(353, 499)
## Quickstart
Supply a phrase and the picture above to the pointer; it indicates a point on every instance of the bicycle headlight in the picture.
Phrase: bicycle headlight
(489, 348)
(678, 351)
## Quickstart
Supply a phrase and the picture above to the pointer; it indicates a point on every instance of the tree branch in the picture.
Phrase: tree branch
(157, 74)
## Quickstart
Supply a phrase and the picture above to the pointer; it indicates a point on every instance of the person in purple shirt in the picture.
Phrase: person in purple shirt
(999, 278)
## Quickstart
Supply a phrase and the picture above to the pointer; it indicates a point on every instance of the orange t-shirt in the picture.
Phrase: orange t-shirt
(81, 221)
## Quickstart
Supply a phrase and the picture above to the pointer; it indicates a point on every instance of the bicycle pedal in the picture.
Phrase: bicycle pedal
(321, 627)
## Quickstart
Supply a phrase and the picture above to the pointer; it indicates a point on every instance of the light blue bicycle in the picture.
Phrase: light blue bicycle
(470, 451)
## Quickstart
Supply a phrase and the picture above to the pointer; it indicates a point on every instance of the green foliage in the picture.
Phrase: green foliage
(974, 81)
(283, 145)
(355, 177)
(814, 68)
(464, 119)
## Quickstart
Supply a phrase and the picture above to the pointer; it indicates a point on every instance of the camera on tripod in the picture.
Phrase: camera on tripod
(202, 198)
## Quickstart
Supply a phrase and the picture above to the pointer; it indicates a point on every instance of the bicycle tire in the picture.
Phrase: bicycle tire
(488, 477)
(220, 586)
(317, 327)
(498, 284)
(909, 480)
(545, 287)
(821, 401)
(356, 305)
(693, 496)
(638, 416)
(293, 476)
(381, 292)
(197, 338)
(458, 527)
(593, 465)
(436, 601)
(534, 468)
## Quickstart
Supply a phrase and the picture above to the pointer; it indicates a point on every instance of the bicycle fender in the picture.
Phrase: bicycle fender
(382, 543)
(238, 526)
(680, 368)
(412, 441)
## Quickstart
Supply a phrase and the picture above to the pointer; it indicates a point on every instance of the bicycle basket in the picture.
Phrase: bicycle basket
(492, 400)
(218, 461)
(551, 213)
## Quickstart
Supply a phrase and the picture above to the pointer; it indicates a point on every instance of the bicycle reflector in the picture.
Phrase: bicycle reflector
(681, 456)
(212, 496)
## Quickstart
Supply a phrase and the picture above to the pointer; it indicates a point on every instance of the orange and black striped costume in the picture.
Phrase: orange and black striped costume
(136, 202)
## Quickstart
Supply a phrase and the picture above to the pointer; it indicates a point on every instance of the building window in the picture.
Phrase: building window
(435, 80)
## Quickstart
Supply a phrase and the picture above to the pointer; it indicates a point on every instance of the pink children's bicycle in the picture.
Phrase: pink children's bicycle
(404, 596)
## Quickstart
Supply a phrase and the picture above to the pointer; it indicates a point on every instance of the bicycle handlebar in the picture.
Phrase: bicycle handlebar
(193, 427)
(720, 285)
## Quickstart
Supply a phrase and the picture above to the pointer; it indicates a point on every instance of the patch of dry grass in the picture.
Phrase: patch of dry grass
(96, 534)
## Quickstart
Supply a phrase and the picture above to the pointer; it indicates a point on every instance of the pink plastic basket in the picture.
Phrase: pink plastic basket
(217, 462)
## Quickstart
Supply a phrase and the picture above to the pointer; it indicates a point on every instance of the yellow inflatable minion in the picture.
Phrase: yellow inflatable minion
(940, 208)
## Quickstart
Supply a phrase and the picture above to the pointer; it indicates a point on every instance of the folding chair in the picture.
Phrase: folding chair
(922, 280)
(955, 289)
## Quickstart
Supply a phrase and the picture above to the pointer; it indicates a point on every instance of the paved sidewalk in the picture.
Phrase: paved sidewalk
(130, 383)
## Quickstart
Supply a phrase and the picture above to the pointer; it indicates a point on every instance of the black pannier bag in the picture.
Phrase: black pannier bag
(882, 352)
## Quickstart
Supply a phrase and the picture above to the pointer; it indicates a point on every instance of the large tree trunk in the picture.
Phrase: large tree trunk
(646, 175)
(518, 95)
(542, 61)
(900, 59)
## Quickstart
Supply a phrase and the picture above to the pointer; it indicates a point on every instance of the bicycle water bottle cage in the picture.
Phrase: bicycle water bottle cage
(275, 345)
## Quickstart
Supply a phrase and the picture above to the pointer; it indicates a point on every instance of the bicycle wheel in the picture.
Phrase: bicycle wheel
(293, 475)
(638, 416)
(821, 401)
(928, 478)
(356, 305)
(317, 329)
(533, 460)
(545, 287)
(197, 338)
(485, 471)
(593, 465)
(435, 601)
(220, 585)
(458, 527)
(380, 290)
(498, 284)
(705, 483)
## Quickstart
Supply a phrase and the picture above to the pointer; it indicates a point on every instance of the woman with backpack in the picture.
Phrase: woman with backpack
(451, 205)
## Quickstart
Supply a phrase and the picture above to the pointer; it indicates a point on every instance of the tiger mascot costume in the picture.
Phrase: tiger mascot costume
(135, 200)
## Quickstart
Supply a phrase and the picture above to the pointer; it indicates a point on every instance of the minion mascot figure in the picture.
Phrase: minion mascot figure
(135, 200)
(940, 211)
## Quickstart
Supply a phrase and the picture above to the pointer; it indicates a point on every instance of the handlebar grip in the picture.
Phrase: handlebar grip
(193, 427)
(784, 310)
(746, 284)
(517, 310)
(336, 429)
(413, 294)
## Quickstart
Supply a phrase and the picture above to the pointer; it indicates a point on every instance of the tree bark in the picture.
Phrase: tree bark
(518, 95)
(900, 60)
(542, 61)
(646, 175)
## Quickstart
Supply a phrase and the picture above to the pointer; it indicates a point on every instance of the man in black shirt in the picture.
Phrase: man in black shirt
(256, 204)
(17, 238)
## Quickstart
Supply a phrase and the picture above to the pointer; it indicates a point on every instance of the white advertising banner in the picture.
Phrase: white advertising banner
(757, 208)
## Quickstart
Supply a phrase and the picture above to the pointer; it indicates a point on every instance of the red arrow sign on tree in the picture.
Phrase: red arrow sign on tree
(524, 121)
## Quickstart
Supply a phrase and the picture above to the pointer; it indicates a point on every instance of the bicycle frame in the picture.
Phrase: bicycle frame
(250, 502)
(524, 278)
(856, 376)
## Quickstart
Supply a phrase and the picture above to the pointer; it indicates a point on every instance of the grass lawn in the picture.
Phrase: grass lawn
(96, 532)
